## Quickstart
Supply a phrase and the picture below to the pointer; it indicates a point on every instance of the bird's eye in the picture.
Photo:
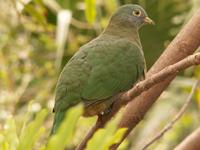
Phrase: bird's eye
(137, 13)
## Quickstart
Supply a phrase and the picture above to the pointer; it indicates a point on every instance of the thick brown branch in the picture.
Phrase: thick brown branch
(175, 119)
(191, 142)
(185, 43)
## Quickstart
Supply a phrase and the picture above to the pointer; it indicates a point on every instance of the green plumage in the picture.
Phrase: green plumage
(100, 70)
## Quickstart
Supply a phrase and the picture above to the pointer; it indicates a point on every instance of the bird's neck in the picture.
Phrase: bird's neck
(123, 31)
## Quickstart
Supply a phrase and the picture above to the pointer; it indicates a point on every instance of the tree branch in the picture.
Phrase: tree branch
(191, 142)
(185, 43)
(175, 119)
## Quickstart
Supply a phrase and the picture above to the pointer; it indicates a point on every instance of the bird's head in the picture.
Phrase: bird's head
(131, 15)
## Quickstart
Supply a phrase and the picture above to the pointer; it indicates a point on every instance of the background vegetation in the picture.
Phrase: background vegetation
(37, 37)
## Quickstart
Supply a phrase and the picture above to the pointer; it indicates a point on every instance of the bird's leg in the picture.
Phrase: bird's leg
(107, 110)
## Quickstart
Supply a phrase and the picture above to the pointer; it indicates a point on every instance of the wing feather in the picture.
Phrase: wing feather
(114, 69)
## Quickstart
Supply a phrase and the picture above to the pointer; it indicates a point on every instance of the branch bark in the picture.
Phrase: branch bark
(191, 142)
(185, 43)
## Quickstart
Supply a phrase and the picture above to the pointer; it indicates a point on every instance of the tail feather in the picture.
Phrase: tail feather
(58, 118)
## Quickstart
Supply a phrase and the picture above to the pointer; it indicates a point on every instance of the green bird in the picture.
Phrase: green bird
(105, 67)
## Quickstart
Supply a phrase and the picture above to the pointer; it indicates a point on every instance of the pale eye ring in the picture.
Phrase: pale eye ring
(137, 13)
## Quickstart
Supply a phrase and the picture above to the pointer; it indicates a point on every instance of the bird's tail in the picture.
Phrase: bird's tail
(59, 117)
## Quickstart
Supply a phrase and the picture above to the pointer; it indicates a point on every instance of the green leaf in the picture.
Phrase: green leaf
(32, 132)
(10, 139)
(115, 138)
(106, 137)
(66, 131)
(67, 4)
(104, 140)
(90, 10)
(37, 14)
(26, 117)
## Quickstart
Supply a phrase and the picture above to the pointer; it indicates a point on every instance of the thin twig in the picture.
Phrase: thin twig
(80, 24)
(175, 119)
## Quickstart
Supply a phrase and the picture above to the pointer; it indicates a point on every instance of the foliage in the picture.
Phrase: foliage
(29, 52)
(31, 132)
(104, 138)
(66, 130)
(90, 10)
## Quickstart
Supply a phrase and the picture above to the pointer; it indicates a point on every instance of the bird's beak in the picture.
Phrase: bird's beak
(147, 20)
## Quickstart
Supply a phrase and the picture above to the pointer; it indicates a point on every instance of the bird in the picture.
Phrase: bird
(103, 68)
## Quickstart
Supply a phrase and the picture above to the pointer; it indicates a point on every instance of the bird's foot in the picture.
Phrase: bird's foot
(107, 110)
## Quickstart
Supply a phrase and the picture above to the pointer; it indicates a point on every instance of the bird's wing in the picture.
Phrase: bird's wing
(116, 66)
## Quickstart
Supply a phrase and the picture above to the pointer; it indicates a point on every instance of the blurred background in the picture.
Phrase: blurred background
(38, 37)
